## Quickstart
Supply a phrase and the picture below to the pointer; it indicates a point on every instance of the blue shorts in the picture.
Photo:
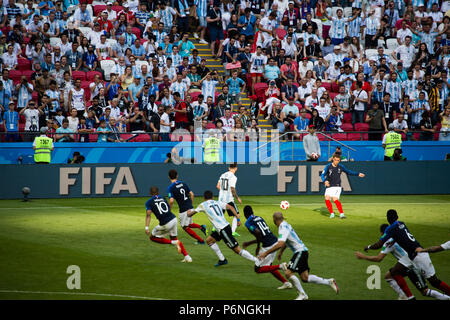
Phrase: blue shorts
(202, 21)
(215, 34)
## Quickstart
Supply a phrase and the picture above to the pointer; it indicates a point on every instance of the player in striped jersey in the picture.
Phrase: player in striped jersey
(299, 261)
(259, 228)
(227, 192)
(404, 267)
(222, 229)
(179, 191)
(167, 223)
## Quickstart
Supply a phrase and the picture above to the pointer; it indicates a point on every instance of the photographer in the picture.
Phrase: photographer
(24, 91)
(77, 158)
(31, 114)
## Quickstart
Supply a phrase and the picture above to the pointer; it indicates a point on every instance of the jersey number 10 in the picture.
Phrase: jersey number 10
(224, 184)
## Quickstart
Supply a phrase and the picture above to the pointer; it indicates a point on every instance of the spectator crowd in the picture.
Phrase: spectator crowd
(108, 70)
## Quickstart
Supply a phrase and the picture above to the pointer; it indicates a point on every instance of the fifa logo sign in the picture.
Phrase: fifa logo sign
(286, 174)
(122, 181)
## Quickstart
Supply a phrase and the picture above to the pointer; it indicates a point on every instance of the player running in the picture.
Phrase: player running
(331, 176)
(258, 227)
(227, 193)
(299, 261)
(398, 231)
(433, 249)
(214, 211)
(167, 223)
(180, 192)
(403, 267)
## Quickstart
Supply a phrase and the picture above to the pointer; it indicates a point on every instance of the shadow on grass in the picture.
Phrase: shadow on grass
(323, 211)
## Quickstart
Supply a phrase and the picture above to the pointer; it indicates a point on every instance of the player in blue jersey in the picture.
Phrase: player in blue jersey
(179, 191)
(167, 223)
(214, 211)
(299, 261)
(403, 267)
(398, 231)
(331, 176)
(259, 228)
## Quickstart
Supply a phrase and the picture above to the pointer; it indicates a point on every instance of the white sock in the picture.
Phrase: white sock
(174, 242)
(437, 295)
(318, 280)
(216, 249)
(247, 255)
(234, 224)
(296, 284)
(396, 287)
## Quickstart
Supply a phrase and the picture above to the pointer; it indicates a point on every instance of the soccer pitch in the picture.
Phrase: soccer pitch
(106, 239)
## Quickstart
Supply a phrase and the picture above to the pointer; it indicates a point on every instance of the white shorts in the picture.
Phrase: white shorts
(170, 228)
(185, 221)
(334, 192)
(268, 259)
(405, 261)
(423, 263)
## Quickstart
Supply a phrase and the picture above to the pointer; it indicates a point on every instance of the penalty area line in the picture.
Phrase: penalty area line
(82, 294)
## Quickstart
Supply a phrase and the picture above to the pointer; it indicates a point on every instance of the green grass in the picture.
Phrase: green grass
(106, 239)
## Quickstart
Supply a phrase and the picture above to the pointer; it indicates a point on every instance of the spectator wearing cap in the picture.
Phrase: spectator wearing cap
(311, 144)
(135, 89)
(304, 66)
(335, 56)
(127, 12)
(377, 94)
(105, 24)
(112, 15)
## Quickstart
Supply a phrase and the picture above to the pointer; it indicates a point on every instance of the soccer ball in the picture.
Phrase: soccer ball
(284, 205)
(314, 155)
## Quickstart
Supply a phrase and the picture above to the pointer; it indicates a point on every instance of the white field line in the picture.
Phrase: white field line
(81, 294)
(253, 204)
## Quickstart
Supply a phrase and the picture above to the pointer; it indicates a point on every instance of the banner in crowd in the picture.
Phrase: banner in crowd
(291, 178)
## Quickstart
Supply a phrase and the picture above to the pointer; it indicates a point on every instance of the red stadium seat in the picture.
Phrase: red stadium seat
(210, 125)
(361, 126)
(137, 32)
(91, 74)
(85, 84)
(347, 127)
(334, 87)
(321, 137)
(26, 40)
(260, 89)
(347, 117)
(117, 9)
(308, 116)
(281, 33)
(333, 95)
(15, 75)
(34, 95)
(339, 136)
(93, 137)
(354, 136)
(194, 95)
(327, 86)
(28, 73)
(99, 8)
(23, 64)
(416, 135)
(79, 75)
(143, 138)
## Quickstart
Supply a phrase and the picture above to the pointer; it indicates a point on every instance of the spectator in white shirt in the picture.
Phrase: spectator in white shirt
(9, 58)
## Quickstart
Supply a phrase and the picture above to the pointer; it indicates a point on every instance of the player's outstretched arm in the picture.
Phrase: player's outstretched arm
(147, 221)
(350, 172)
(430, 249)
(377, 258)
(277, 246)
(191, 212)
(375, 246)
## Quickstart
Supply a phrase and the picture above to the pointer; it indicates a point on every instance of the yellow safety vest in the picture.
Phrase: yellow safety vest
(393, 141)
(43, 149)
(212, 149)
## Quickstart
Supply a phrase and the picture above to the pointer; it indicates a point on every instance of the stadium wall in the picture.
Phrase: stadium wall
(155, 152)
(292, 178)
